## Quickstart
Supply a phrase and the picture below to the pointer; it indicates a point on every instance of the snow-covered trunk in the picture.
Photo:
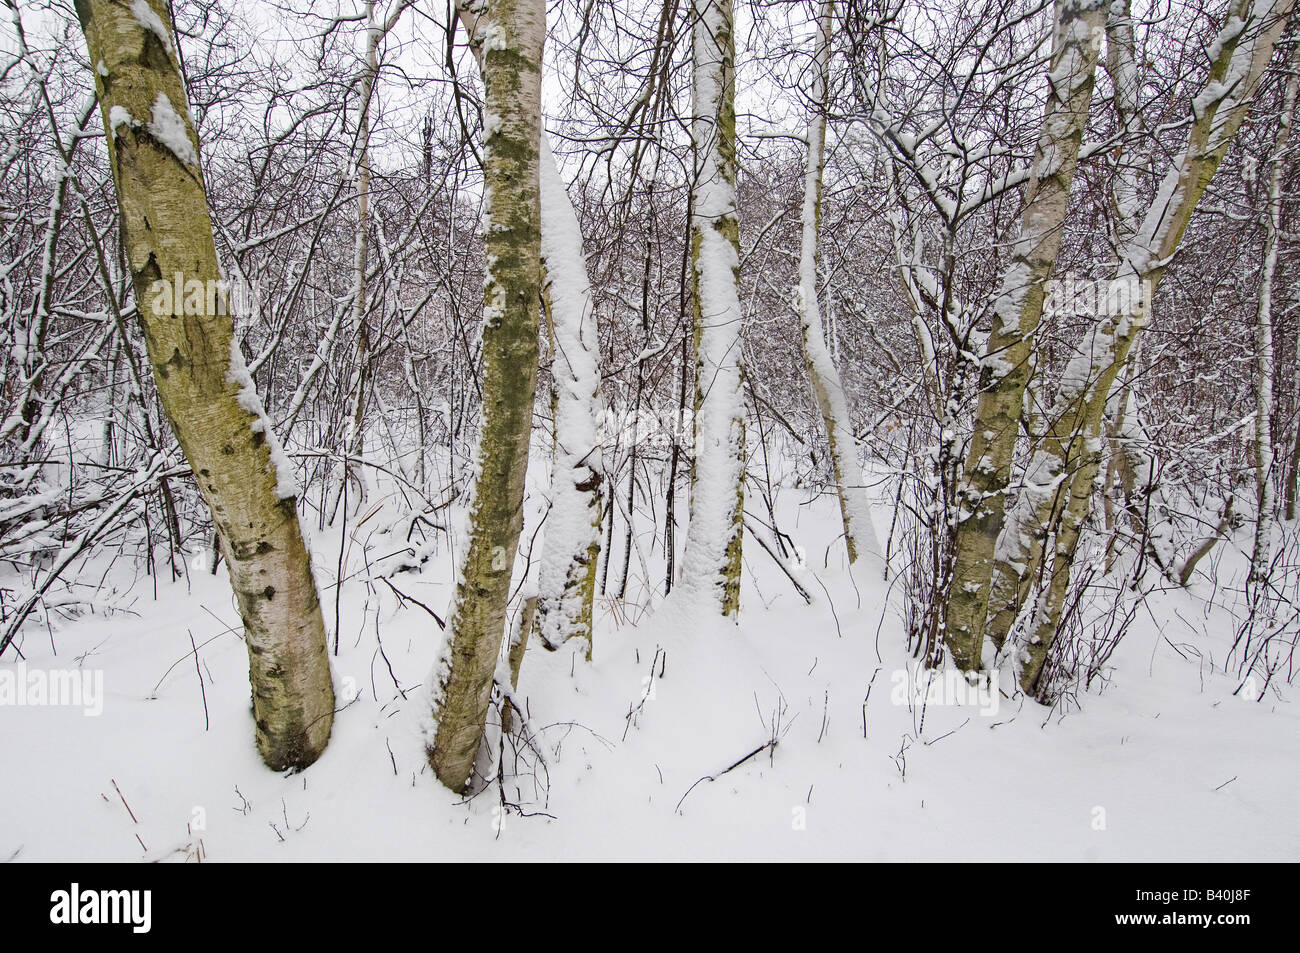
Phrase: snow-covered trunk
(201, 379)
(571, 545)
(1131, 467)
(1017, 311)
(1135, 470)
(859, 534)
(1125, 81)
(1183, 573)
(1240, 54)
(354, 445)
(570, 552)
(1291, 486)
(711, 560)
(1265, 458)
(462, 679)
(1020, 546)
(674, 459)
(320, 359)
(515, 655)
(417, 388)
(1128, 456)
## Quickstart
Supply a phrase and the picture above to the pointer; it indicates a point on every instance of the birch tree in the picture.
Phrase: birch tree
(859, 534)
(361, 386)
(1017, 311)
(1265, 455)
(566, 574)
(571, 546)
(1128, 462)
(943, 196)
(202, 382)
(512, 40)
(1071, 452)
(355, 443)
(711, 562)
(1291, 481)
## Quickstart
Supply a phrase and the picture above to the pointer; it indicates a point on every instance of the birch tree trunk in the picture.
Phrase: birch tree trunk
(1072, 447)
(202, 382)
(1265, 457)
(511, 53)
(1125, 431)
(354, 446)
(1291, 486)
(1025, 527)
(571, 547)
(711, 560)
(566, 576)
(1013, 564)
(1017, 312)
(859, 534)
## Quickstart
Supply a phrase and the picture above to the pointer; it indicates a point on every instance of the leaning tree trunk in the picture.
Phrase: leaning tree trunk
(859, 534)
(711, 560)
(463, 677)
(1024, 526)
(202, 382)
(1017, 312)
(1072, 447)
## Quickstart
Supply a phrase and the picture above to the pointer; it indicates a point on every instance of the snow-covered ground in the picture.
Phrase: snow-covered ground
(1164, 764)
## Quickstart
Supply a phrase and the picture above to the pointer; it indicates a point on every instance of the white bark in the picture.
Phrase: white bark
(1008, 358)
(354, 445)
(202, 383)
(711, 562)
(1240, 54)
(859, 534)
(571, 545)
(566, 576)
(1265, 457)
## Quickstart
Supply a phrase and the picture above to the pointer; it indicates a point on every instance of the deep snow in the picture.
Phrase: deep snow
(1164, 764)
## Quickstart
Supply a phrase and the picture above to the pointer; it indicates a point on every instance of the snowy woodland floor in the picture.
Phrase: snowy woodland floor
(1163, 764)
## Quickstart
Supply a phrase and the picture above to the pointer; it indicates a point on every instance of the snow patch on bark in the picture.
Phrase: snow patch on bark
(147, 18)
(120, 116)
(170, 129)
(286, 484)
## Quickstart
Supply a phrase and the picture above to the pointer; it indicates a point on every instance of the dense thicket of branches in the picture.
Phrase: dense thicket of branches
(933, 111)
